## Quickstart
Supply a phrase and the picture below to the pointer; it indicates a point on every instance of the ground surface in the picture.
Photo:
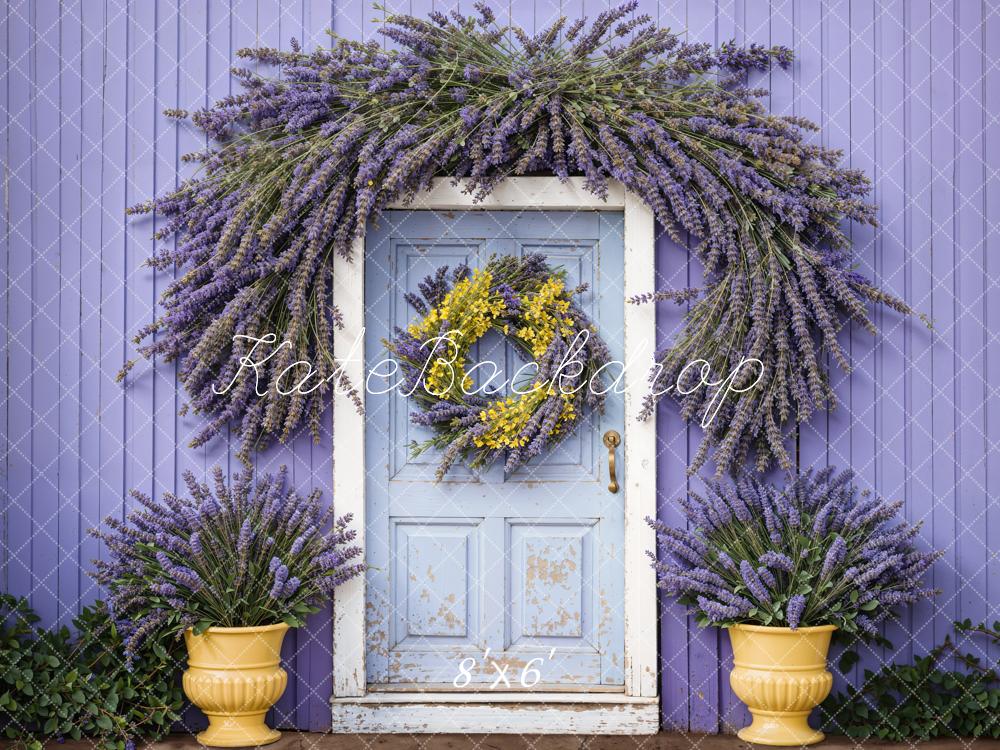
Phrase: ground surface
(664, 741)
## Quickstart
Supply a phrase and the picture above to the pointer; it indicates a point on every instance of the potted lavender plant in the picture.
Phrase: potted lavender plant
(230, 569)
(781, 569)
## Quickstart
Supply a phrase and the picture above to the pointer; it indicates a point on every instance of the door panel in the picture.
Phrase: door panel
(524, 570)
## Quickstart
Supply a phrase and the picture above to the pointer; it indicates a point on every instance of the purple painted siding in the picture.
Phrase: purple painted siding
(900, 86)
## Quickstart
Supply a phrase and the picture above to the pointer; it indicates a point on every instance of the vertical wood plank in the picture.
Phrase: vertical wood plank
(863, 154)
(140, 416)
(378, 16)
(242, 29)
(919, 377)
(731, 25)
(45, 548)
(547, 12)
(192, 78)
(671, 483)
(990, 44)
(5, 250)
(276, 25)
(890, 264)
(838, 108)
(782, 31)
(520, 14)
(219, 58)
(306, 695)
(316, 664)
(943, 306)
(114, 148)
(812, 100)
(72, 563)
(20, 365)
(703, 666)
(971, 449)
(352, 19)
(672, 263)
(167, 442)
(318, 20)
(192, 94)
(91, 160)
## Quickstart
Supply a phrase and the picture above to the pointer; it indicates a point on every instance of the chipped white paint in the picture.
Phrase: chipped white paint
(348, 471)
(635, 711)
(503, 713)
(640, 455)
(524, 193)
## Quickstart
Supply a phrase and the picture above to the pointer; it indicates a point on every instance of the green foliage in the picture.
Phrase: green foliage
(922, 700)
(55, 685)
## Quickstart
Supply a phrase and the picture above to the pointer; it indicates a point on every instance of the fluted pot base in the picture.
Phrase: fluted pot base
(781, 729)
(225, 730)
(781, 675)
(234, 676)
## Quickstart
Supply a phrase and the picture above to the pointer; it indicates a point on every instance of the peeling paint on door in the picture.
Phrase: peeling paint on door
(503, 581)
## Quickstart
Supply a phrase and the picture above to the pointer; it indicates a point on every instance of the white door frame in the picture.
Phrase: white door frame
(636, 711)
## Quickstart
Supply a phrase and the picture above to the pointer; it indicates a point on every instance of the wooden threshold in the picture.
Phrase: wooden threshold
(501, 713)
(444, 687)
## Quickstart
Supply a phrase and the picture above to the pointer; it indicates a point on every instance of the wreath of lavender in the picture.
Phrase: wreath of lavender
(526, 302)
(308, 159)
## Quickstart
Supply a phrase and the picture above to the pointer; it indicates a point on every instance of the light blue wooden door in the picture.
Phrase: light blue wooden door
(488, 579)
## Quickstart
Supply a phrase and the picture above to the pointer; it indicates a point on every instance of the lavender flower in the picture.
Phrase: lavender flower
(742, 560)
(243, 542)
(717, 611)
(280, 576)
(767, 577)
(754, 57)
(752, 581)
(834, 556)
(337, 135)
(159, 582)
(793, 612)
(727, 561)
(777, 561)
(773, 528)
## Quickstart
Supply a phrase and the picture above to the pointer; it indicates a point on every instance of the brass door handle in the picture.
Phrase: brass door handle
(612, 440)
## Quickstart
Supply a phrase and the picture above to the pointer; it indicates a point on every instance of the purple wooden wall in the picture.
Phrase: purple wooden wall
(901, 86)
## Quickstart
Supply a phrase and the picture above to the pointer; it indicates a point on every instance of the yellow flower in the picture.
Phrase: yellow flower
(467, 312)
(544, 316)
(470, 308)
(507, 420)
(568, 415)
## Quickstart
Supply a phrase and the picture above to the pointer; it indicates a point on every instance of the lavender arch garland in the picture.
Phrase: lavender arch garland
(308, 159)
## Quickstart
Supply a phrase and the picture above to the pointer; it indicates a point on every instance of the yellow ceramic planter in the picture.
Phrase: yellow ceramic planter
(781, 675)
(234, 676)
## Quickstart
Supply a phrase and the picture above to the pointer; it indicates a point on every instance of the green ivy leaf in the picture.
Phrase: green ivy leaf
(46, 701)
(847, 661)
